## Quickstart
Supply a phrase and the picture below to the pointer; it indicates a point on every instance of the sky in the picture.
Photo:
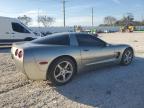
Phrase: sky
(78, 12)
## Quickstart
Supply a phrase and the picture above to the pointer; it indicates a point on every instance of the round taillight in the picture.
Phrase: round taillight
(16, 52)
(20, 54)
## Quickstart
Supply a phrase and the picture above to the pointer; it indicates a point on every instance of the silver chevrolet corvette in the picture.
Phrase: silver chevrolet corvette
(58, 57)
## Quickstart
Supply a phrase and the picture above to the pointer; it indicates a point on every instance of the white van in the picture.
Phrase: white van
(12, 30)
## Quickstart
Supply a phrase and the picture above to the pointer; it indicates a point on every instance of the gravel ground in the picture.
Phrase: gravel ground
(136, 40)
(109, 87)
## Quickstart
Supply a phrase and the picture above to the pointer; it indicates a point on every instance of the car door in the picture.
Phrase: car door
(5, 32)
(94, 51)
(20, 33)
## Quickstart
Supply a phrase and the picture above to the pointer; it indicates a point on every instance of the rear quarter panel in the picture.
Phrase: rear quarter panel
(49, 54)
(27, 64)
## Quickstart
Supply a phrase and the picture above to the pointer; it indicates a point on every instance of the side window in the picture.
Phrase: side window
(88, 40)
(19, 28)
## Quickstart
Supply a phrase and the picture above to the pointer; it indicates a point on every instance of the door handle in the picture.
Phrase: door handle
(86, 50)
(9, 33)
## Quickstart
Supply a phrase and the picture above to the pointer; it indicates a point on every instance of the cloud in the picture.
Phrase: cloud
(70, 21)
(34, 15)
(81, 20)
(138, 5)
(116, 1)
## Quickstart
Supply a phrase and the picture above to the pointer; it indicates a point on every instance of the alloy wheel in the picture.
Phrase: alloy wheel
(63, 71)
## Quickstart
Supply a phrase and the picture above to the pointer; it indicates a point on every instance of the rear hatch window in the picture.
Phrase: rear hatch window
(54, 39)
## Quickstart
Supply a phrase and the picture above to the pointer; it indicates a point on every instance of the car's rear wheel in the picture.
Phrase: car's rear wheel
(62, 71)
(127, 57)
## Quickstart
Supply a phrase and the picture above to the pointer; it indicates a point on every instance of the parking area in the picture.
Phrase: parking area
(109, 87)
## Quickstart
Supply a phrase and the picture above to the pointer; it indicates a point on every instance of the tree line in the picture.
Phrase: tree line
(46, 21)
(127, 19)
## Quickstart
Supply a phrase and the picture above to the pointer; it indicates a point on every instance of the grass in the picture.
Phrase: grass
(140, 30)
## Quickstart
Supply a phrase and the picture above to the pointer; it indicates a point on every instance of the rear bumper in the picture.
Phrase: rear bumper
(28, 65)
(30, 69)
(18, 61)
(19, 65)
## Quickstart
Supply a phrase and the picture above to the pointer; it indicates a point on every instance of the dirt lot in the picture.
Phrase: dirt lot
(136, 40)
(110, 87)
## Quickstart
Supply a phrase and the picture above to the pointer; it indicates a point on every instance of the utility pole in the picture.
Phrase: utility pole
(64, 13)
(142, 18)
(38, 14)
(92, 18)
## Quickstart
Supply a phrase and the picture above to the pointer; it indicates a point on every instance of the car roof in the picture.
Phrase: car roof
(8, 19)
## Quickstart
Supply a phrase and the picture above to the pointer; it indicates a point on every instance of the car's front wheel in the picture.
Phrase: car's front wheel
(62, 71)
(127, 57)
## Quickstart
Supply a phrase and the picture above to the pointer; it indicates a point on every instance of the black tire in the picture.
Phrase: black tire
(52, 69)
(123, 60)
